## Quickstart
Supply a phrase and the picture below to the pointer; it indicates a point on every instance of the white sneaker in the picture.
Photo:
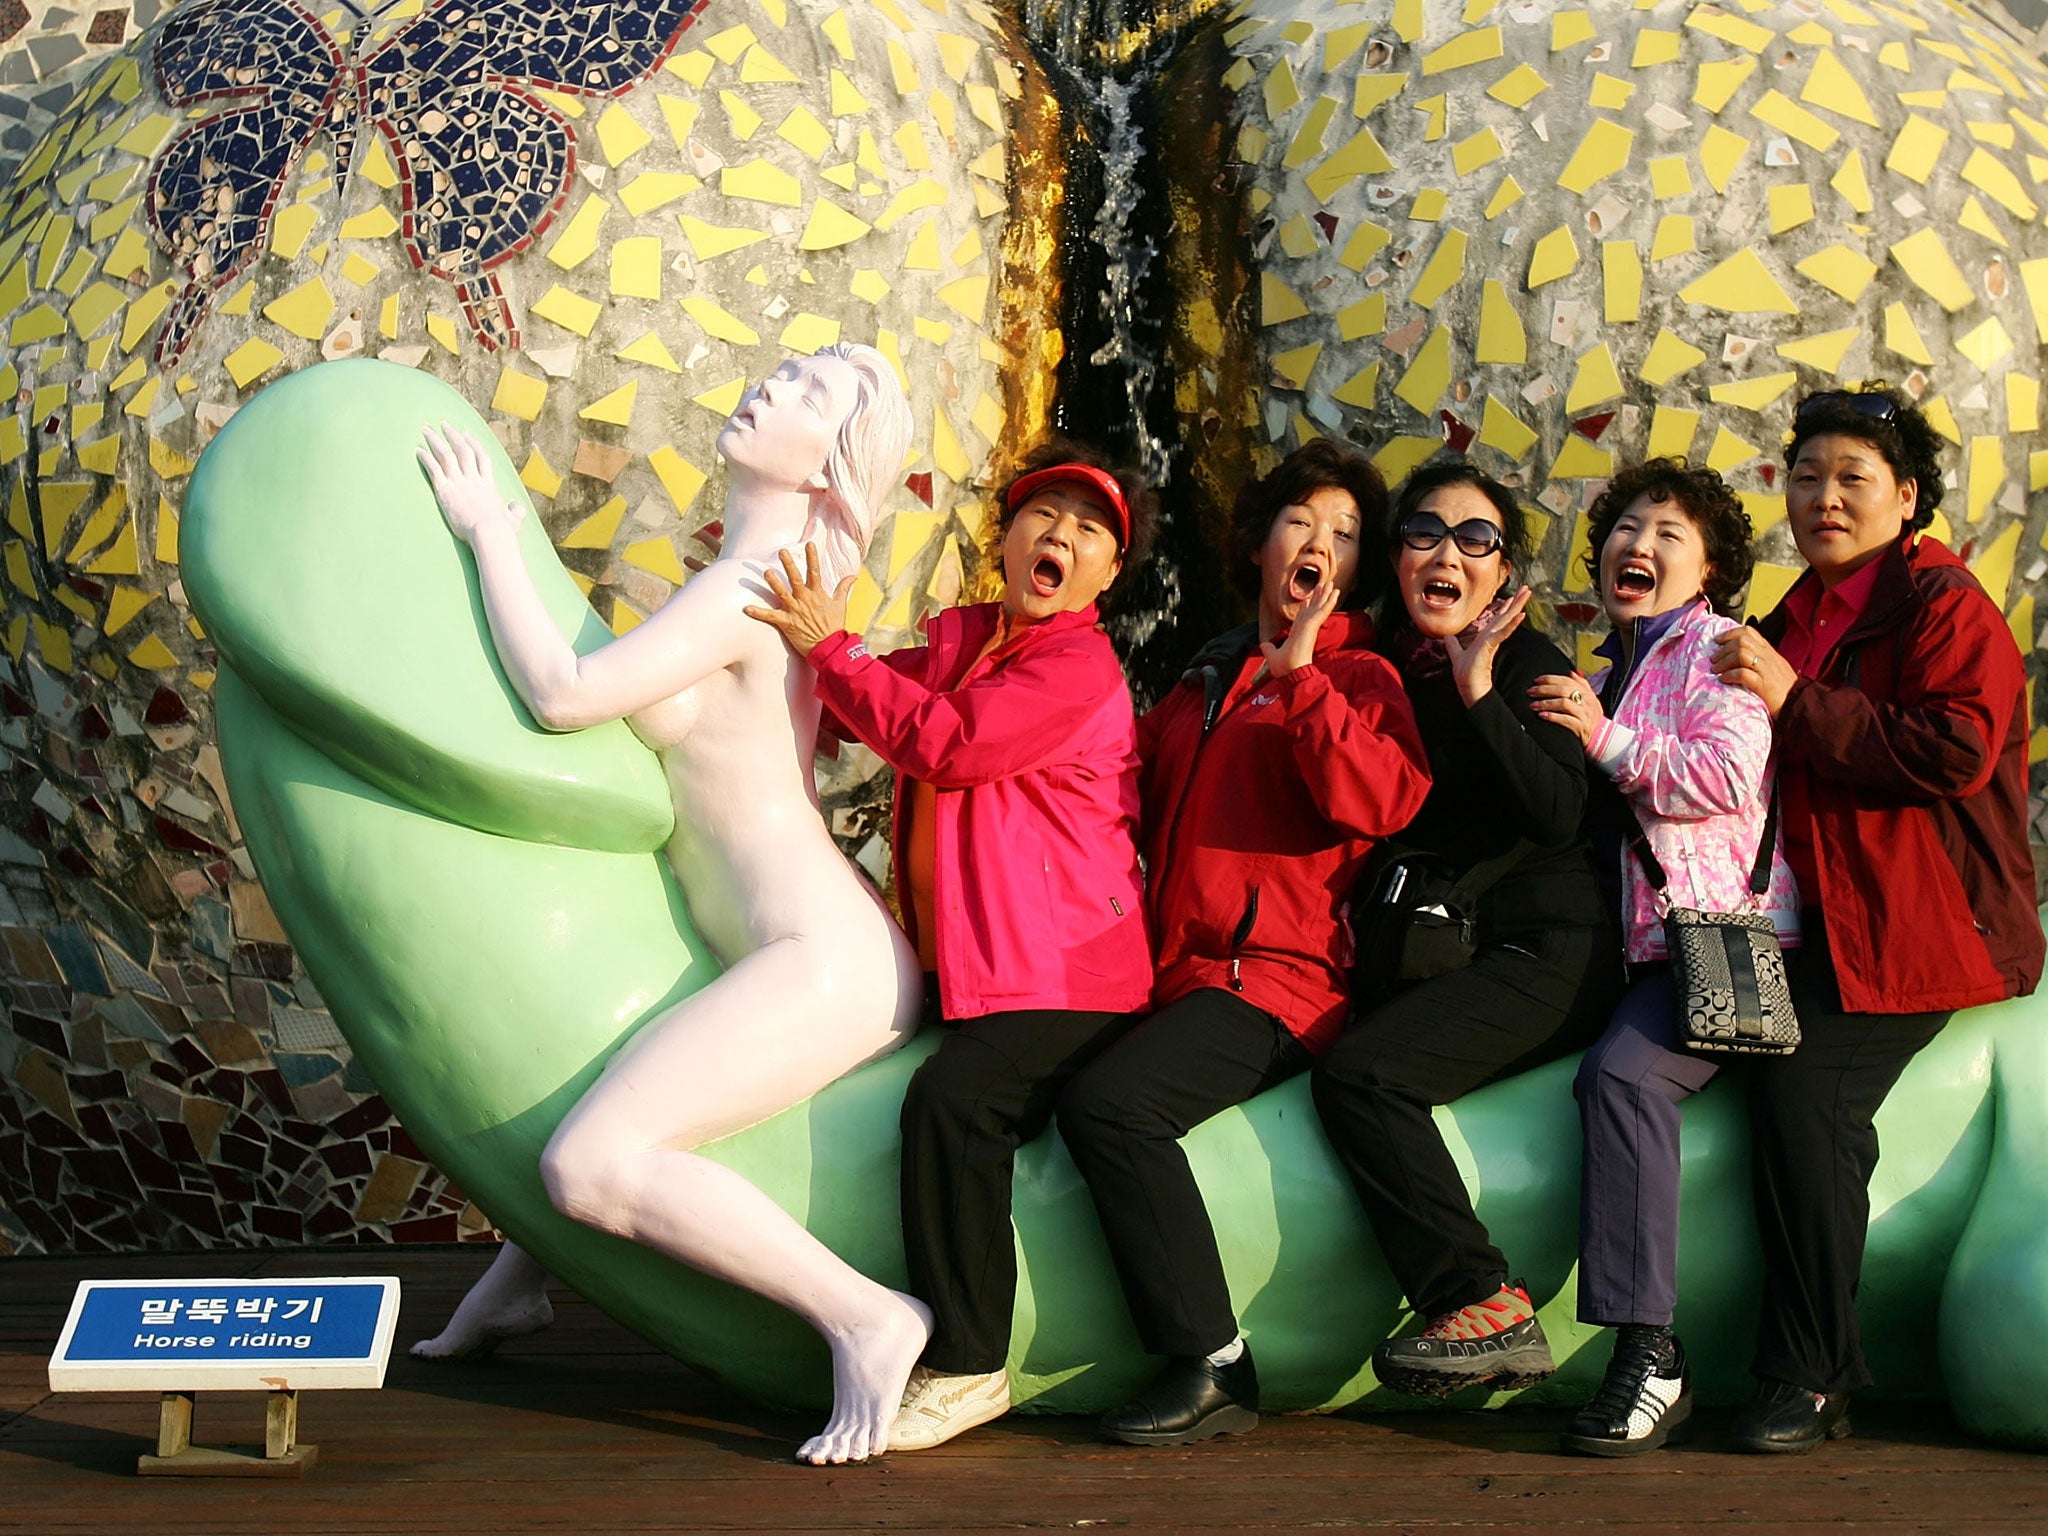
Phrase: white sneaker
(936, 1407)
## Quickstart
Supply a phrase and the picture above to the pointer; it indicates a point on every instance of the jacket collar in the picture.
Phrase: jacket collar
(1346, 629)
(1655, 628)
(1891, 594)
(972, 625)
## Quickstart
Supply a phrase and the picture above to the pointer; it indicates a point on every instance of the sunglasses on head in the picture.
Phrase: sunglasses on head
(1475, 536)
(1880, 408)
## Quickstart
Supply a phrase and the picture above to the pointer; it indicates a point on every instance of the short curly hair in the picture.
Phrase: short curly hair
(1907, 440)
(1138, 493)
(1321, 463)
(1703, 496)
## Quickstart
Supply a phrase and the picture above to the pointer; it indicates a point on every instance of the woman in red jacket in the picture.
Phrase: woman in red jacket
(1270, 771)
(1012, 737)
(1898, 698)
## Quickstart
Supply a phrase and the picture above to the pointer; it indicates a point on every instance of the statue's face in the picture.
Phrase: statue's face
(785, 426)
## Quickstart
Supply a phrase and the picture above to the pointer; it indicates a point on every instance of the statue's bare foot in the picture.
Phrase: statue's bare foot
(509, 1301)
(871, 1361)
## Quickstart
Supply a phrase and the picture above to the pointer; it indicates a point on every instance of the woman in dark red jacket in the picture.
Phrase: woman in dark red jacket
(1899, 703)
(1268, 774)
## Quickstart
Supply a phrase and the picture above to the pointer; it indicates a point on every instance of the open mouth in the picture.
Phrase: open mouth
(1047, 576)
(1441, 594)
(1634, 580)
(1305, 578)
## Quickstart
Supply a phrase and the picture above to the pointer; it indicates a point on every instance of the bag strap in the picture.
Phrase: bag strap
(1760, 871)
(1485, 875)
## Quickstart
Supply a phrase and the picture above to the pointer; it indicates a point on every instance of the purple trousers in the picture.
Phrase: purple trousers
(1629, 1087)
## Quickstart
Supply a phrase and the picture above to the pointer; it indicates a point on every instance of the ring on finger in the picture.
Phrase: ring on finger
(1577, 696)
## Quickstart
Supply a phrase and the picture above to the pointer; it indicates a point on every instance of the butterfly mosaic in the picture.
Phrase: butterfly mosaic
(484, 161)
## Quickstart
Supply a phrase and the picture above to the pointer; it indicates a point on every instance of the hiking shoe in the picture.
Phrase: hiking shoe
(1646, 1394)
(937, 1406)
(1494, 1343)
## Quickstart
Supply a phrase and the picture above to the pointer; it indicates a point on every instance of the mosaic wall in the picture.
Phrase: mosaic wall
(1556, 236)
(598, 220)
(1559, 238)
(47, 53)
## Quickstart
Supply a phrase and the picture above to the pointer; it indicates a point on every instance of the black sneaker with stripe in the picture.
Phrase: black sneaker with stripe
(1646, 1395)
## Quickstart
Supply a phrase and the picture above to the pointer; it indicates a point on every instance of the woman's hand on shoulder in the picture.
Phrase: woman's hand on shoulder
(1299, 649)
(464, 485)
(1570, 702)
(806, 613)
(1743, 658)
(1472, 661)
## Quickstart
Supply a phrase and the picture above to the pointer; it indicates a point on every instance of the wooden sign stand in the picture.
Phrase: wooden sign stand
(177, 1456)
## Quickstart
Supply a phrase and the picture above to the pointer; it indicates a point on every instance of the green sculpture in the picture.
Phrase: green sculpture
(486, 908)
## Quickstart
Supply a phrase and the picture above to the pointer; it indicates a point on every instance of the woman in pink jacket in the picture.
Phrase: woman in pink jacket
(1015, 750)
(1690, 758)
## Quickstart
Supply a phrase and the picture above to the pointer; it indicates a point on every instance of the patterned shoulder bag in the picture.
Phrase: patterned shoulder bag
(1729, 968)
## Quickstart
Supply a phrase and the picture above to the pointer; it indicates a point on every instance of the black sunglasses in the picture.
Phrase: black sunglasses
(1475, 536)
(1877, 407)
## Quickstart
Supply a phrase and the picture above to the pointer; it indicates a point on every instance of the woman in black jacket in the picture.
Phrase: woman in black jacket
(1504, 811)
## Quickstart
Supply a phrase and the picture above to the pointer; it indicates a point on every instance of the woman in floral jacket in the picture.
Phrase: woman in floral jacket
(1690, 760)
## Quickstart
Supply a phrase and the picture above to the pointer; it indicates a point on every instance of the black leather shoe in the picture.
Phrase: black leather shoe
(1785, 1419)
(1188, 1401)
(1646, 1395)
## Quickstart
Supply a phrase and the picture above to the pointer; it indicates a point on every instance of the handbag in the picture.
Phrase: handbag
(1729, 966)
(1419, 918)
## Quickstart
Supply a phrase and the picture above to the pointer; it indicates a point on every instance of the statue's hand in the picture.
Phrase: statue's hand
(463, 484)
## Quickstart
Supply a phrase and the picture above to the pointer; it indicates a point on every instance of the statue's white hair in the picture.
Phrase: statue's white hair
(863, 466)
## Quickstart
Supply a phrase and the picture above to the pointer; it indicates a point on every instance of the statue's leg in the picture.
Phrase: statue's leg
(773, 1030)
(1994, 1303)
(511, 1299)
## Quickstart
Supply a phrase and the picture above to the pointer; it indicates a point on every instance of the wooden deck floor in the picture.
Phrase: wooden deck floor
(587, 1429)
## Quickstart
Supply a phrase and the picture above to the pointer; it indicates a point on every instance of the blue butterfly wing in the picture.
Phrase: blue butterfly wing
(589, 47)
(213, 191)
(484, 162)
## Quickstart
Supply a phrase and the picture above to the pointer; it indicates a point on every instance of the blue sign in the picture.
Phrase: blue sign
(325, 1331)
(222, 1321)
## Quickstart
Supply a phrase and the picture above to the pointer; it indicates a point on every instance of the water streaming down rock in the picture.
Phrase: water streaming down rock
(1113, 384)
(1127, 254)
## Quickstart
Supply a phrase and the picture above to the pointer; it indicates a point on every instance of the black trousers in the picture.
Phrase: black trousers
(989, 1088)
(1516, 1006)
(1813, 1150)
(1122, 1120)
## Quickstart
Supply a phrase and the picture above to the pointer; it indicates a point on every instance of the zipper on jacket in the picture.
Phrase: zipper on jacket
(1214, 690)
(1237, 939)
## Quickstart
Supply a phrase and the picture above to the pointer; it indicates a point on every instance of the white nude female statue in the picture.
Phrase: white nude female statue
(818, 978)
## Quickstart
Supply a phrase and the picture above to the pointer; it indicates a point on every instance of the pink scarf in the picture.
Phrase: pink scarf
(1423, 655)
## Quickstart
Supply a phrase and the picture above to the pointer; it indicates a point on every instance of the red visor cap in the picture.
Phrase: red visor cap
(1082, 474)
